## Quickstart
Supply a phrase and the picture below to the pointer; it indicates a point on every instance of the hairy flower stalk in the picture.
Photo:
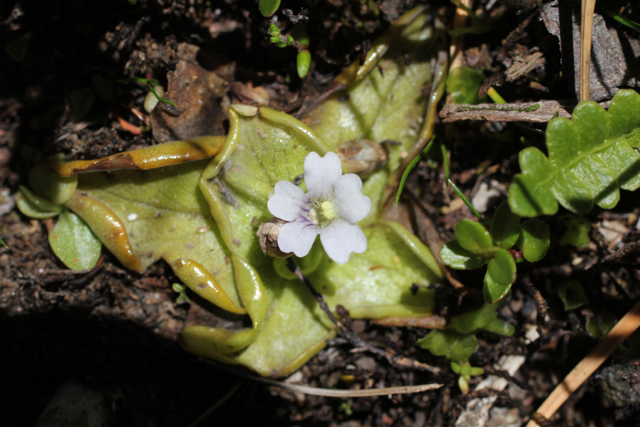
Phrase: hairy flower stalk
(331, 207)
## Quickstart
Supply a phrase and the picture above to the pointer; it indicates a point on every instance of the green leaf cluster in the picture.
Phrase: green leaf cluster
(298, 38)
(477, 244)
(466, 371)
(458, 341)
(591, 157)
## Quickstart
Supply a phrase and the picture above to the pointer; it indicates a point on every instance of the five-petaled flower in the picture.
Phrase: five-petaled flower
(331, 207)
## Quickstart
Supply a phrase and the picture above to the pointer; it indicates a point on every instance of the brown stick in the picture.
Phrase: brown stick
(623, 329)
(586, 28)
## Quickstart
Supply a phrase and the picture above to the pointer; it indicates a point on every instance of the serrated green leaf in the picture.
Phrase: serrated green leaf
(268, 7)
(505, 226)
(473, 237)
(492, 290)
(534, 239)
(453, 255)
(502, 268)
(590, 158)
(451, 344)
(34, 206)
(74, 243)
(578, 228)
(528, 194)
(463, 84)
(572, 295)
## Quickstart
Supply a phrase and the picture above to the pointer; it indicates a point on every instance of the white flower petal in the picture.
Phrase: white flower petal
(320, 173)
(352, 204)
(297, 237)
(288, 201)
(340, 239)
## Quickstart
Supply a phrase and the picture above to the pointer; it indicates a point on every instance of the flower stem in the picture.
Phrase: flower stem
(317, 295)
(393, 358)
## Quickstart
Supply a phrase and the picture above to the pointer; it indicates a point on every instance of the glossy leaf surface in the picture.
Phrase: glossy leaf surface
(456, 257)
(34, 206)
(505, 226)
(590, 158)
(492, 290)
(473, 237)
(502, 268)
(200, 217)
(534, 239)
(73, 242)
(268, 7)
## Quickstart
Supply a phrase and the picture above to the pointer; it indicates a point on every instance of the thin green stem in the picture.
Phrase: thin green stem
(161, 99)
(411, 165)
(624, 21)
(465, 200)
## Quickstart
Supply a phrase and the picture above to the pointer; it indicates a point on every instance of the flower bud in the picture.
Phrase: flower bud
(268, 238)
(362, 157)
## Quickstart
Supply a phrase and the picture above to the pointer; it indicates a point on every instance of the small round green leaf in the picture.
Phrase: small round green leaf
(451, 344)
(502, 268)
(476, 371)
(505, 227)
(492, 290)
(473, 237)
(607, 321)
(34, 206)
(572, 295)
(74, 243)
(534, 239)
(454, 256)
(48, 184)
(303, 62)
(463, 84)
(268, 7)
(500, 327)
(577, 233)
(463, 384)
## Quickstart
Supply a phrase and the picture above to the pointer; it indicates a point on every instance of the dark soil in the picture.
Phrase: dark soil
(115, 331)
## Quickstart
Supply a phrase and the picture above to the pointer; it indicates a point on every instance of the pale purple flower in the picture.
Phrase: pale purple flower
(331, 207)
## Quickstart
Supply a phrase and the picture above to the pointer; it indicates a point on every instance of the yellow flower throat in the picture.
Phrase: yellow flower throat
(322, 213)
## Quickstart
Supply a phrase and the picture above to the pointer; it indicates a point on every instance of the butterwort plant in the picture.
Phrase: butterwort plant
(331, 207)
